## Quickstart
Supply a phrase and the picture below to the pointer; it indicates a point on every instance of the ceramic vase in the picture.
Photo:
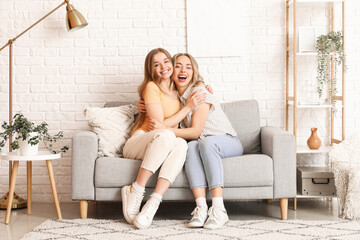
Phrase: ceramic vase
(314, 141)
(26, 149)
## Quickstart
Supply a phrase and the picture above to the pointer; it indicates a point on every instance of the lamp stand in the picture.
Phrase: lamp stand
(74, 20)
(17, 202)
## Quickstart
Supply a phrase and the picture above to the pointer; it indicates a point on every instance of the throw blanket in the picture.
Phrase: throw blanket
(345, 159)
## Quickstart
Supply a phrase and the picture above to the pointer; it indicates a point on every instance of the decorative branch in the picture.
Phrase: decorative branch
(327, 45)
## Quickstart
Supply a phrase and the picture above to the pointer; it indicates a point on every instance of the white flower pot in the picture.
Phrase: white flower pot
(28, 150)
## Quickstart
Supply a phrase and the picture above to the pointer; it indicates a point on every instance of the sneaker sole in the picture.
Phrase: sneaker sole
(214, 226)
(138, 225)
(194, 226)
(124, 205)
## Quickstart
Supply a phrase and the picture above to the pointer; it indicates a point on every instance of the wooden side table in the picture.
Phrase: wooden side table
(16, 157)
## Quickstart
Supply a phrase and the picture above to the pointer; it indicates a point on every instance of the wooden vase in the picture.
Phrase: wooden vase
(314, 141)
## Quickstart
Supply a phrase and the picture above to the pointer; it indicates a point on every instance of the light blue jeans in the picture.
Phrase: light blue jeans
(203, 163)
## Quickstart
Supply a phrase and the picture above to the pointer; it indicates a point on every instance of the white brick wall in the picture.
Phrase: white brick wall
(57, 74)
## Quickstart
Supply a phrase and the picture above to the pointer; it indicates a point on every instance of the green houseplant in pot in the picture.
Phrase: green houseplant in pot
(28, 136)
(329, 45)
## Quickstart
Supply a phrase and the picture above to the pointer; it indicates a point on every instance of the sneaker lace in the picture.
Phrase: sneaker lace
(138, 200)
(196, 212)
(213, 214)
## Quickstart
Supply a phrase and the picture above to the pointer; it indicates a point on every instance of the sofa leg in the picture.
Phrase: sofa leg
(269, 201)
(283, 208)
(83, 209)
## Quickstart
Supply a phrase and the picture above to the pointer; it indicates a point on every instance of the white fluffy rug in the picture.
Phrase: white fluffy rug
(175, 229)
(345, 159)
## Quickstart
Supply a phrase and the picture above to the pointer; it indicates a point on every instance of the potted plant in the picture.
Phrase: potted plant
(328, 45)
(28, 136)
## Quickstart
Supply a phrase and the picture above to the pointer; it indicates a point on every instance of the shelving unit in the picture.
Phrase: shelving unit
(291, 52)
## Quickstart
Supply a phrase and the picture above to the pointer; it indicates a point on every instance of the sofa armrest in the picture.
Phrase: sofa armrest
(84, 155)
(280, 146)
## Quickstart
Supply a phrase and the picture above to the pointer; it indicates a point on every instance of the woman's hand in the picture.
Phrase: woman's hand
(155, 124)
(195, 99)
(209, 88)
(141, 107)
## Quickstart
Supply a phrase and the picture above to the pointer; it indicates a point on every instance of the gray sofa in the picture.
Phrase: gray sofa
(267, 170)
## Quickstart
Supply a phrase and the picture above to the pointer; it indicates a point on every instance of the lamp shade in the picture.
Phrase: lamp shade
(74, 19)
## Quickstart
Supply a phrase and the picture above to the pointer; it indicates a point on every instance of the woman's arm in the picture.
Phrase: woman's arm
(198, 121)
(140, 105)
(194, 100)
(155, 111)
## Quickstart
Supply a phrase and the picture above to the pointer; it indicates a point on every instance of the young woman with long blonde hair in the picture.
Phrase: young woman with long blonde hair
(211, 138)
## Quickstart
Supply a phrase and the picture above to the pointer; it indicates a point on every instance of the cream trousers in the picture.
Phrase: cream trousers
(157, 148)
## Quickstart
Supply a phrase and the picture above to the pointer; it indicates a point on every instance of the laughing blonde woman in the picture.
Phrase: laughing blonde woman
(211, 138)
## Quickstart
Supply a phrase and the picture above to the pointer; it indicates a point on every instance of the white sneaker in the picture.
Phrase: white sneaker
(199, 217)
(130, 202)
(145, 217)
(217, 218)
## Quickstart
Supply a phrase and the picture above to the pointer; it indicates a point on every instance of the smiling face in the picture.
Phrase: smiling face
(162, 66)
(183, 72)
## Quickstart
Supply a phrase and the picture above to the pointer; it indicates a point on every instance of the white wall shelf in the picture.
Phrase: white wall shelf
(301, 149)
(305, 53)
(311, 105)
(315, 1)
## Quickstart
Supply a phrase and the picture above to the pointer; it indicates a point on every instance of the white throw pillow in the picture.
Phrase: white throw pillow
(113, 126)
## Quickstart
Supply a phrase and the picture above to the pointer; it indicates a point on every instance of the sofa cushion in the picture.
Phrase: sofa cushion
(112, 125)
(249, 170)
(118, 172)
(242, 171)
(245, 118)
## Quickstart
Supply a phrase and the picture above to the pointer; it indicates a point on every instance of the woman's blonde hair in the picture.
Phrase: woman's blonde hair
(149, 76)
(196, 78)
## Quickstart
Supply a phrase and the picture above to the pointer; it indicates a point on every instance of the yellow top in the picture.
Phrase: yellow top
(153, 94)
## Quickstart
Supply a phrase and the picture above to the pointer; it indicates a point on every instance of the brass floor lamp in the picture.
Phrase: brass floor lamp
(74, 20)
